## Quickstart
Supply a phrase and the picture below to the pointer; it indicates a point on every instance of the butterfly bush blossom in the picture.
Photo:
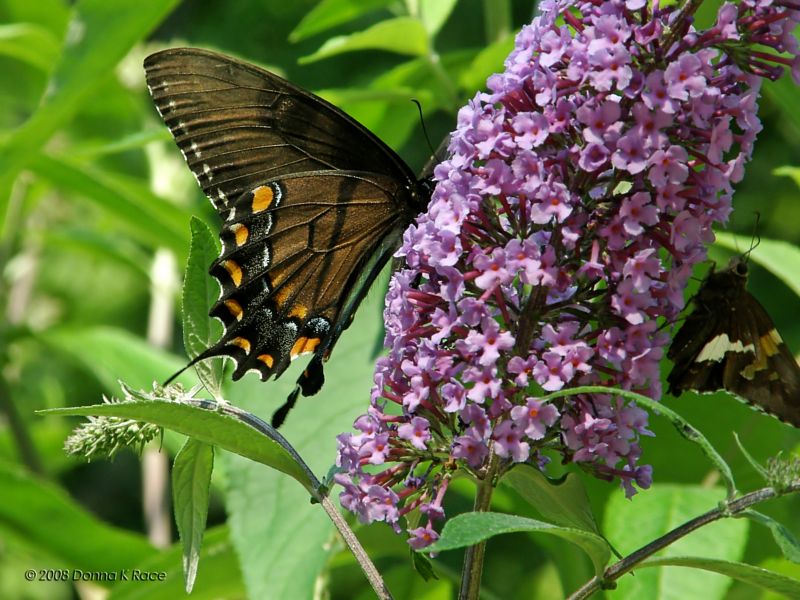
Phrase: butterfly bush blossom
(578, 195)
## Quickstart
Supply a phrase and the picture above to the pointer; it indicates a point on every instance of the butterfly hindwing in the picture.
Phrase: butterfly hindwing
(287, 266)
(772, 380)
(730, 342)
(312, 203)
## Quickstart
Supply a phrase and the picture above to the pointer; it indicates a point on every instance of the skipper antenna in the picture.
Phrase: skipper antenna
(755, 240)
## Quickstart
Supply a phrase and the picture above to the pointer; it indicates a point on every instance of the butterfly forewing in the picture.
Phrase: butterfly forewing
(239, 126)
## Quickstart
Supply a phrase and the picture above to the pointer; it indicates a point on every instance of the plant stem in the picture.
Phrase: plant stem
(371, 572)
(349, 537)
(681, 23)
(627, 564)
(473, 557)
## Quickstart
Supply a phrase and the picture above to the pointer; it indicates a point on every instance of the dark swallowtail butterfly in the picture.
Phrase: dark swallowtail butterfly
(729, 342)
(312, 204)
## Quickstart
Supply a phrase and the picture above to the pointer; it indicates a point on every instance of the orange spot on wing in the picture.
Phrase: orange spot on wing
(266, 359)
(235, 309)
(311, 344)
(242, 343)
(262, 198)
(241, 233)
(298, 311)
(304, 345)
(297, 349)
(281, 295)
(770, 341)
(234, 270)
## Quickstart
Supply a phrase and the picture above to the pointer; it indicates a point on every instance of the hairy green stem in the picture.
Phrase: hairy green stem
(474, 555)
(729, 509)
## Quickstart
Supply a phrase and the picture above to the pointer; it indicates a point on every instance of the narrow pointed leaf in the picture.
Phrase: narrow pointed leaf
(99, 35)
(402, 35)
(199, 293)
(755, 576)
(30, 43)
(191, 485)
(785, 539)
(330, 13)
(434, 14)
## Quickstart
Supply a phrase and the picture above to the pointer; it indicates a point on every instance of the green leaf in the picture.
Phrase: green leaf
(30, 43)
(434, 14)
(330, 13)
(220, 578)
(780, 258)
(488, 61)
(47, 518)
(470, 528)
(756, 576)
(199, 294)
(219, 424)
(146, 217)
(191, 484)
(101, 247)
(630, 524)
(135, 141)
(785, 539)
(388, 113)
(791, 172)
(99, 35)
(402, 35)
(562, 502)
(430, 81)
(52, 14)
(783, 93)
(112, 354)
(423, 566)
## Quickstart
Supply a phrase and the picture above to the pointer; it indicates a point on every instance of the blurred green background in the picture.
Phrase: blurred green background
(95, 206)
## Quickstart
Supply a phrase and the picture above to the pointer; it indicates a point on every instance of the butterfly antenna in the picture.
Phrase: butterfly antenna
(755, 240)
(191, 363)
(174, 376)
(424, 129)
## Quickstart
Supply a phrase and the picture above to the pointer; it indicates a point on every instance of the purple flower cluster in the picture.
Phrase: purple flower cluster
(578, 195)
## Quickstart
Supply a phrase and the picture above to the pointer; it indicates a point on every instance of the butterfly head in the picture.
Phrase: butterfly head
(725, 285)
(421, 195)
